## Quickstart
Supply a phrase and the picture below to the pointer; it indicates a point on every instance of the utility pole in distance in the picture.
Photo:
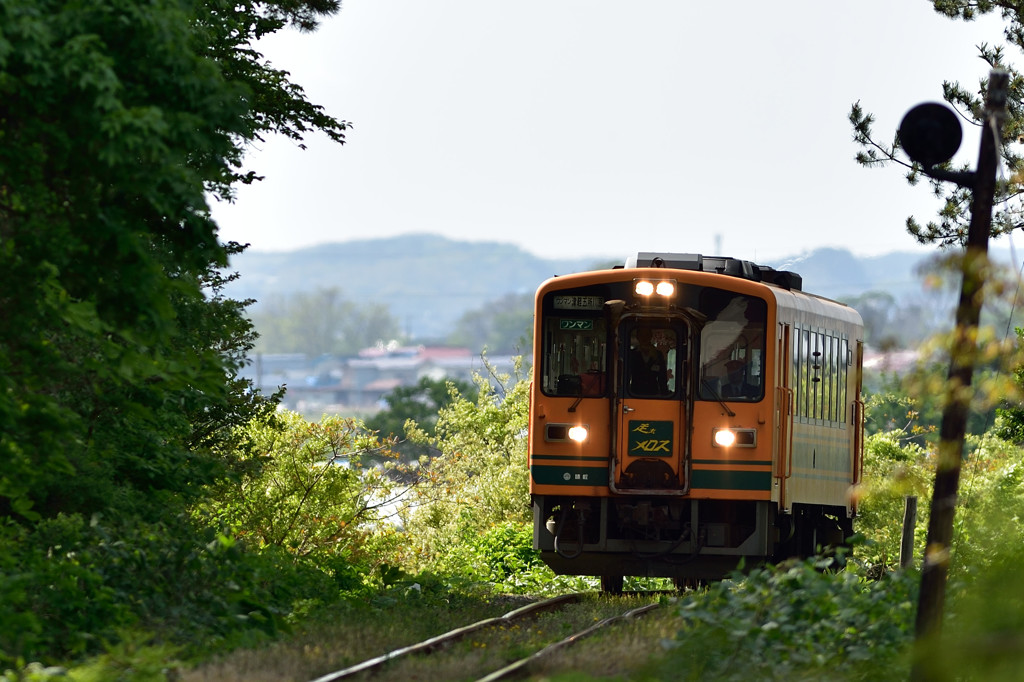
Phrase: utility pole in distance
(927, 138)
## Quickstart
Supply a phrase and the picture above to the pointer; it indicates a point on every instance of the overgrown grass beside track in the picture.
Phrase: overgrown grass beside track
(372, 593)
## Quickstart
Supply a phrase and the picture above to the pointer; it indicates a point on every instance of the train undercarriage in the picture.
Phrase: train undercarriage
(674, 537)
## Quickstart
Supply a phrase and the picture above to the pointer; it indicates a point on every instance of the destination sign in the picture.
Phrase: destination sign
(565, 302)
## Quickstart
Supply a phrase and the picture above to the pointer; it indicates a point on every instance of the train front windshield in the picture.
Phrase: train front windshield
(717, 335)
(732, 349)
(576, 355)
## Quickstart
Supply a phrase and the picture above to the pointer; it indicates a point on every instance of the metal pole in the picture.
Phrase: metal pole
(935, 565)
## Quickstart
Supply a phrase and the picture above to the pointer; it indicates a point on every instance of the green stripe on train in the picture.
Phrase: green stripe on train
(731, 480)
(755, 462)
(581, 458)
(564, 475)
(592, 476)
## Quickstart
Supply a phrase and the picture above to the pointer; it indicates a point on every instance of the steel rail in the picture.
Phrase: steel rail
(453, 635)
(520, 666)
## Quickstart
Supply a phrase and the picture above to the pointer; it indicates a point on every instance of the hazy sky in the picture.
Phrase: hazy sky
(598, 128)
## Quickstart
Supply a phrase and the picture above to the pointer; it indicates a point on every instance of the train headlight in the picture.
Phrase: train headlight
(643, 288)
(729, 438)
(724, 438)
(646, 288)
(578, 433)
(563, 433)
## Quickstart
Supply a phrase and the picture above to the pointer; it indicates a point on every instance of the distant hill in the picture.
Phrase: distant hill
(429, 281)
(837, 273)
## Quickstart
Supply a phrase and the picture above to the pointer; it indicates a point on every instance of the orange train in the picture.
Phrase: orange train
(688, 412)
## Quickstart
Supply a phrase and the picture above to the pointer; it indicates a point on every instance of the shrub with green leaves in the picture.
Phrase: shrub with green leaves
(894, 468)
(72, 587)
(983, 632)
(502, 556)
(479, 481)
(315, 490)
(794, 621)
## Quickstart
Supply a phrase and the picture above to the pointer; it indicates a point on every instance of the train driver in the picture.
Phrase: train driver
(736, 385)
(647, 369)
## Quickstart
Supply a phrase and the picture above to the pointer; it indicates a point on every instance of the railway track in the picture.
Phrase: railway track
(518, 632)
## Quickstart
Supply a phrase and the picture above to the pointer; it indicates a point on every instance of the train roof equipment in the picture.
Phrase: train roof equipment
(723, 265)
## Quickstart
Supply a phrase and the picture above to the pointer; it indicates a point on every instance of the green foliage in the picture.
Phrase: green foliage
(72, 587)
(894, 468)
(119, 355)
(984, 632)
(421, 403)
(34, 672)
(133, 659)
(1010, 419)
(508, 551)
(415, 409)
(983, 627)
(96, 191)
(50, 605)
(953, 217)
(990, 506)
(501, 557)
(480, 479)
(913, 402)
(983, 623)
(470, 524)
(308, 488)
(892, 409)
(112, 329)
(900, 462)
(795, 621)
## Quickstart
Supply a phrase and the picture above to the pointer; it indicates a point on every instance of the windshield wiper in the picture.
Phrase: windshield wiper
(714, 393)
(579, 399)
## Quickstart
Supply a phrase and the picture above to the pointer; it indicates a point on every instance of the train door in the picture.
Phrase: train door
(783, 457)
(652, 427)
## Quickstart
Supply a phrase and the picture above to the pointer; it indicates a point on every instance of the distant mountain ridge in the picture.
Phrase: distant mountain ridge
(429, 281)
(837, 273)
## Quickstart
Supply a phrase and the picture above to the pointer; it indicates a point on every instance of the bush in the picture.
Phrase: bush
(990, 505)
(794, 621)
(893, 469)
(311, 489)
(983, 634)
(54, 600)
(71, 587)
(480, 479)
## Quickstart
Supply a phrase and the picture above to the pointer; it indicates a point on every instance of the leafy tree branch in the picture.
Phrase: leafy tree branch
(950, 228)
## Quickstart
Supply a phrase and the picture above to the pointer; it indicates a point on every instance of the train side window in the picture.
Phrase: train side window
(820, 372)
(796, 369)
(575, 356)
(834, 378)
(826, 379)
(817, 361)
(804, 389)
(844, 360)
